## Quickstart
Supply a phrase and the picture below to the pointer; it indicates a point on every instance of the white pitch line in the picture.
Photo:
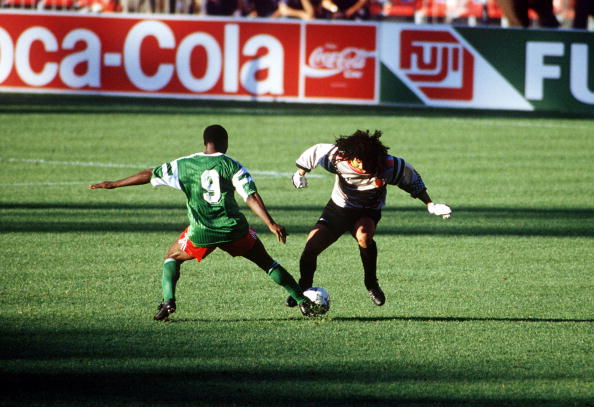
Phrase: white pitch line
(44, 184)
(75, 163)
(277, 174)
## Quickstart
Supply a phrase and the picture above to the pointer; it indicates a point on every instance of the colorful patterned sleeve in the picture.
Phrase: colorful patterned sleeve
(407, 178)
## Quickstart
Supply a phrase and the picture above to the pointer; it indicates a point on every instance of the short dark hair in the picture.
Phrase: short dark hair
(366, 147)
(216, 134)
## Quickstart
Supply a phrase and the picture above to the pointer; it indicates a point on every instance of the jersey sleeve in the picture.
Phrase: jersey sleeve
(405, 177)
(243, 182)
(166, 175)
(317, 155)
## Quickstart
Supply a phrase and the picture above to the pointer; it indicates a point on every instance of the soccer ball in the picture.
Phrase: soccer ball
(320, 297)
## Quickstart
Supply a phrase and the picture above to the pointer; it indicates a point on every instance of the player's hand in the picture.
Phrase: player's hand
(279, 231)
(103, 185)
(439, 210)
(299, 181)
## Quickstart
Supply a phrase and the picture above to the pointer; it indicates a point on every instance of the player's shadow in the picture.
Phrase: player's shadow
(328, 318)
(399, 221)
(460, 319)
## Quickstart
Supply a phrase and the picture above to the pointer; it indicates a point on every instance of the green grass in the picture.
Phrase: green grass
(493, 307)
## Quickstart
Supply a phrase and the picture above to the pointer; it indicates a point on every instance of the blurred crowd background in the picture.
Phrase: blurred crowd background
(571, 14)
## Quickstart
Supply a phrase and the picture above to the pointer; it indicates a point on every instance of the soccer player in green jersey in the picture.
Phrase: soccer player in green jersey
(209, 181)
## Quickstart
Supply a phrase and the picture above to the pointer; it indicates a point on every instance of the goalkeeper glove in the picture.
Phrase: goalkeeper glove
(299, 181)
(439, 210)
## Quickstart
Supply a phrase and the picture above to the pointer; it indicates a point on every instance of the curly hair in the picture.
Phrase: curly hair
(366, 147)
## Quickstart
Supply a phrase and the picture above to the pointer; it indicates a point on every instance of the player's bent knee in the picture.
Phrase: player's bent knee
(178, 255)
(364, 239)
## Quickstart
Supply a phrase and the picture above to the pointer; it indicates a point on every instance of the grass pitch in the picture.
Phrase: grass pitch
(490, 308)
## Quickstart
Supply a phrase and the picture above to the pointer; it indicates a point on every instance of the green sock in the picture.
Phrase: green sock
(282, 277)
(169, 278)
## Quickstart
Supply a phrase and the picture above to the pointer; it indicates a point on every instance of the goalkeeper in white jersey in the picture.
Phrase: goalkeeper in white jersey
(209, 181)
(363, 170)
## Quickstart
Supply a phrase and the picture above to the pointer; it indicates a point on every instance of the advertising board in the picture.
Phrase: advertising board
(234, 59)
(487, 68)
(383, 63)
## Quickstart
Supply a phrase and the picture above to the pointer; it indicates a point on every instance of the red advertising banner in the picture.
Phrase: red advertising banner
(184, 57)
(340, 61)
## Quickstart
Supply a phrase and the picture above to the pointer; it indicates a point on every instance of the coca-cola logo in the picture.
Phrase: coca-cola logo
(157, 56)
(328, 60)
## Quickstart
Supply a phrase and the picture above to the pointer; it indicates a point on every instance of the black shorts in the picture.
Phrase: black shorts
(340, 220)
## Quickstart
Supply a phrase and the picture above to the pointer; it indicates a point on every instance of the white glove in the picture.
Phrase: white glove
(299, 181)
(439, 210)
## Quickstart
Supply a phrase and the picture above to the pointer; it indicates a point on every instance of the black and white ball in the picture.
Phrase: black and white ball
(320, 297)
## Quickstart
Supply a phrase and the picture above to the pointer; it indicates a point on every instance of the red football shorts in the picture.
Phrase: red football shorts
(237, 248)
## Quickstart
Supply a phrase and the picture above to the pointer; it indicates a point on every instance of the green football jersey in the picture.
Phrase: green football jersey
(209, 182)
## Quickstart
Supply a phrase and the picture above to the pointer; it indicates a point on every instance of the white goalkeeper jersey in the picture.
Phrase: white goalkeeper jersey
(356, 189)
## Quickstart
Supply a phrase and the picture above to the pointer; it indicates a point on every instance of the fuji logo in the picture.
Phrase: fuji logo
(438, 64)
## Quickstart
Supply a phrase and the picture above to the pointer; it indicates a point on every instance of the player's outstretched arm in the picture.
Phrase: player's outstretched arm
(256, 204)
(143, 177)
(314, 156)
(435, 209)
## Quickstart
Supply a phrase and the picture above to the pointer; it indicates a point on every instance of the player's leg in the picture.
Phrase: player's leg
(333, 222)
(258, 255)
(363, 232)
(179, 251)
(318, 240)
(171, 265)
(170, 275)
